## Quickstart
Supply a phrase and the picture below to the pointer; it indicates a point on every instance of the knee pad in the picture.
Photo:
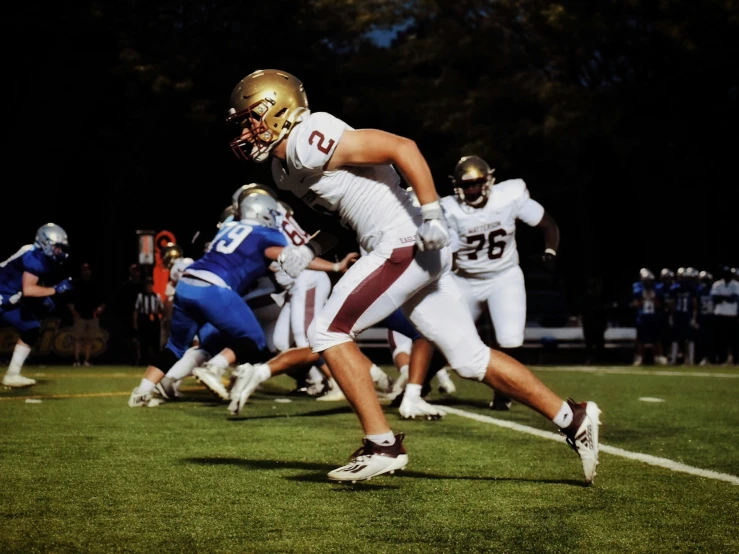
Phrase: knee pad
(510, 340)
(30, 336)
(165, 360)
(321, 338)
(246, 350)
(471, 365)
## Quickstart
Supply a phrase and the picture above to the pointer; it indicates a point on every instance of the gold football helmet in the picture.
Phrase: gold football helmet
(472, 180)
(170, 253)
(267, 103)
(287, 207)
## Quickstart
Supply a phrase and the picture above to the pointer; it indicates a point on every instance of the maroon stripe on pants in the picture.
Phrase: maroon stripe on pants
(369, 290)
(310, 309)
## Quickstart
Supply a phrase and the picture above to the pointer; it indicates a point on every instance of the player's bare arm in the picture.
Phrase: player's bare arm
(551, 232)
(375, 147)
(31, 288)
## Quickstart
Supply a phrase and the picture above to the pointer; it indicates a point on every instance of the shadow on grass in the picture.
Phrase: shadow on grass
(244, 415)
(316, 472)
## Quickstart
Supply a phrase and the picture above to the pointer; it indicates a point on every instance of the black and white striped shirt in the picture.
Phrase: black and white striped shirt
(148, 303)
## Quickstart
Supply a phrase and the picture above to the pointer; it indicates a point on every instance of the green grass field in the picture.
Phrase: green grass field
(82, 472)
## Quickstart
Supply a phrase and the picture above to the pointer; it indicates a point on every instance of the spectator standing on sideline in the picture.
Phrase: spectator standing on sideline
(725, 293)
(147, 318)
(128, 292)
(86, 305)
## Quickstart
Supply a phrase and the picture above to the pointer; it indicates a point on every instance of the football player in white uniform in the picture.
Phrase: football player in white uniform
(482, 223)
(354, 174)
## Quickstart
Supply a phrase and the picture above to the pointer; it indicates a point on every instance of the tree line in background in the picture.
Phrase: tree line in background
(615, 113)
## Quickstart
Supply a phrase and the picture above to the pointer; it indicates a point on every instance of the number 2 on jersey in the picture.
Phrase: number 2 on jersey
(321, 137)
(228, 240)
(495, 249)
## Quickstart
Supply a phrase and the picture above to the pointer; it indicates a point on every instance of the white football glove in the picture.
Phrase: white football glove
(433, 233)
(281, 276)
(294, 259)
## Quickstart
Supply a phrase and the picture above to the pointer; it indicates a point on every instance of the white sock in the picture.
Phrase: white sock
(404, 371)
(219, 362)
(263, 372)
(191, 359)
(145, 386)
(314, 375)
(564, 416)
(384, 439)
(412, 391)
(376, 373)
(20, 353)
(332, 384)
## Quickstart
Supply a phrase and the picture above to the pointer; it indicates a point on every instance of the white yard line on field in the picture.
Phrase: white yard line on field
(623, 371)
(646, 458)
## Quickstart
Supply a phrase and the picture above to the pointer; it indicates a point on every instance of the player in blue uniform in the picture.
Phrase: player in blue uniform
(19, 283)
(210, 290)
(648, 304)
(663, 286)
(682, 302)
(706, 341)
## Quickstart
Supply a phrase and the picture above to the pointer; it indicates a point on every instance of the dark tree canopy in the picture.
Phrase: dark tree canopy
(620, 116)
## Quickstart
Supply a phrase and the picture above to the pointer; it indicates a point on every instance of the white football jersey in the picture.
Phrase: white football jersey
(368, 199)
(294, 234)
(484, 239)
(178, 267)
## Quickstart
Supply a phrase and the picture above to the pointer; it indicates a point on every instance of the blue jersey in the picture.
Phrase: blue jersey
(29, 259)
(648, 297)
(236, 254)
(683, 296)
(662, 288)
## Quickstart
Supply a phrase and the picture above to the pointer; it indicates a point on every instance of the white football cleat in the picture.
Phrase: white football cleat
(334, 394)
(418, 408)
(137, 400)
(167, 389)
(247, 381)
(380, 379)
(210, 376)
(372, 459)
(18, 381)
(446, 385)
(582, 435)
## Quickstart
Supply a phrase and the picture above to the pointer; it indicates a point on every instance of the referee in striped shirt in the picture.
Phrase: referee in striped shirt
(147, 319)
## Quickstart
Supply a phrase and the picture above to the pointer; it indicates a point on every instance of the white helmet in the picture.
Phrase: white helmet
(50, 236)
(178, 268)
(256, 203)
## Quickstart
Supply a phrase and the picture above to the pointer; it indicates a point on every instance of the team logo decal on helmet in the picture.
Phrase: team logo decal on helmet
(472, 180)
(266, 104)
